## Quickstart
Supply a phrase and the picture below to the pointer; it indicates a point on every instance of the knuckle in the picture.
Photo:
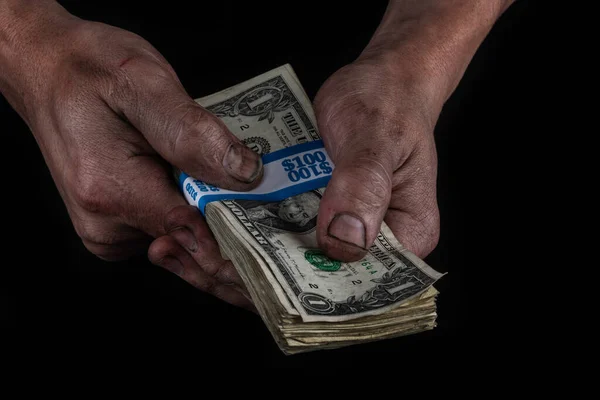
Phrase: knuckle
(216, 270)
(93, 233)
(197, 126)
(93, 194)
(181, 216)
(207, 284)
(366, 181)
(160, 249)
(86, 232)
(107, 241)
(201, 123)
(362, 123)
(135, 67)
(95, 242)
(135, 73)
(134, 64)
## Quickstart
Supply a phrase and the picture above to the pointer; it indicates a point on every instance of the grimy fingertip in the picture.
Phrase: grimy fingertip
(242, 164)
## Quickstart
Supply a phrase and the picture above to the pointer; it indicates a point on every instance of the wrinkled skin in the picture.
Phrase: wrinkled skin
(378, 128)
(111, 119)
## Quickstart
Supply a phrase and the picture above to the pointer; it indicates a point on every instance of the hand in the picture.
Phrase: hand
(111, 117)
(190, 251)
(377, 117)
(377, 126)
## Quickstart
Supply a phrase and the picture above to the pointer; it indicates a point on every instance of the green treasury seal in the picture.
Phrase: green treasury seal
(317, 258)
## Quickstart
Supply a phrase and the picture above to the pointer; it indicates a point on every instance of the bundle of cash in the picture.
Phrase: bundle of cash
(307, 300)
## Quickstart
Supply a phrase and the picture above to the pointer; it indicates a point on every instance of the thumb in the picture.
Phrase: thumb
(354, 203)
(182, 132)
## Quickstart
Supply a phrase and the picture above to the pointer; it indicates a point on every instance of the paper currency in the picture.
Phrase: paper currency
(307, 300)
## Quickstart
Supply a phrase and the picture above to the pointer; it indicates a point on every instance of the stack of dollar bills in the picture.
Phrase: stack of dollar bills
(307, 300)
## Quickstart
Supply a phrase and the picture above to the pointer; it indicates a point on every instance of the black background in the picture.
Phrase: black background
(58, 296)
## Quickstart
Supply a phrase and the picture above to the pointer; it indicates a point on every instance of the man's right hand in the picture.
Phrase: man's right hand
(111, 118)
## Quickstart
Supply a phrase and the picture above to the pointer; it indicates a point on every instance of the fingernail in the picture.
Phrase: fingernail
(348, 229)
(171, 264)
(185, 237)
(242, 163)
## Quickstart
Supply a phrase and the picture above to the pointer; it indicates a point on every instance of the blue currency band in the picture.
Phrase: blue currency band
(304, 184)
